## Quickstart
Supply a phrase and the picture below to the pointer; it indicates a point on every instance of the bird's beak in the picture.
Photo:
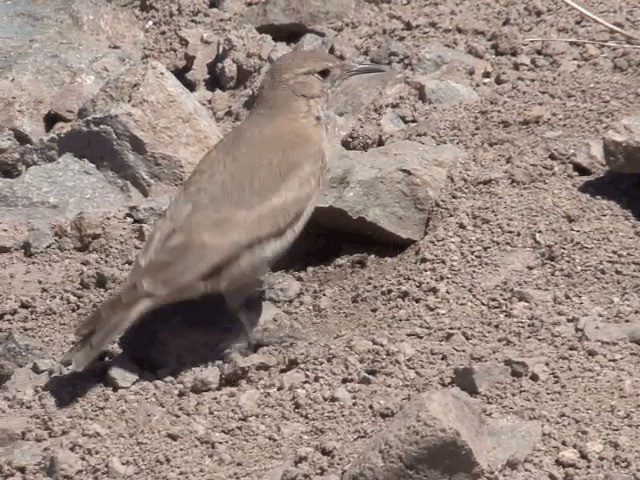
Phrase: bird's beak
(361, 69)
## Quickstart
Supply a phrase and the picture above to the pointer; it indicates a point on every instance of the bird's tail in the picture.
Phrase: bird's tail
(105, 325)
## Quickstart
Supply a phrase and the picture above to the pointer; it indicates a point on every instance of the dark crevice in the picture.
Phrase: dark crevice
(289, 33)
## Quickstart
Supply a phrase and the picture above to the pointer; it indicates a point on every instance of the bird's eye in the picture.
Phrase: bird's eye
(323, 74)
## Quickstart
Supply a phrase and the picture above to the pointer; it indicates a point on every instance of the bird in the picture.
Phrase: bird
(241, 208)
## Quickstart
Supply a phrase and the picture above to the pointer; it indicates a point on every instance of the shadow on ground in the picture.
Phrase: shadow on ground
(181, 336)
(165, 342)
(624, 189)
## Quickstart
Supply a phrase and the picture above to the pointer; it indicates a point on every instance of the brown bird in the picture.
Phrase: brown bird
(242, 207)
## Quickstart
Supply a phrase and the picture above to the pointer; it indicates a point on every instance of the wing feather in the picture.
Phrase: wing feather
(231, 202)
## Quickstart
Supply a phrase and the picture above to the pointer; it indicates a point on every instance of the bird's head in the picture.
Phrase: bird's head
(312, 73)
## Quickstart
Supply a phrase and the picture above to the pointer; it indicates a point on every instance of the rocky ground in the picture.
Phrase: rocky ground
(488, 327)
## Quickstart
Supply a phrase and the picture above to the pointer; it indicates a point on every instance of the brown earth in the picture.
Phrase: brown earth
(523, 249)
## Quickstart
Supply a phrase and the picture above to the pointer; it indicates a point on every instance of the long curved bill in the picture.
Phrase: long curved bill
(363, 68)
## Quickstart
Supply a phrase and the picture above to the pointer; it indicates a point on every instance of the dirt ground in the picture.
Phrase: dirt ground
(522, 250)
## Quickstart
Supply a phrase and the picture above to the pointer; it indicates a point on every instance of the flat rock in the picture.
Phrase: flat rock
(51, 193)
(480, 378)
(442, 434)
(445, 92)
(386, 193)
(611, 332)
(41, 81)
(129, 128)
(123, 374)
(622, 145)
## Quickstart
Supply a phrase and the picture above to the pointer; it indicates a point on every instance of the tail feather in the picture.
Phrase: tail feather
(105, 325)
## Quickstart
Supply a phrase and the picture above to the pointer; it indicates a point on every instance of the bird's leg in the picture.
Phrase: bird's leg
(239, 301)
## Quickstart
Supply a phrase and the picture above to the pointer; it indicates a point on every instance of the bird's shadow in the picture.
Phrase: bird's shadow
(165, 342)
(184, 335)
(624, 189)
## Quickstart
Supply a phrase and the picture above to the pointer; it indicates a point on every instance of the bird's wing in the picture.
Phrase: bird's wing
(230, 203)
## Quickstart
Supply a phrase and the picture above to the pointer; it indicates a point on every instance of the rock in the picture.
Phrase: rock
(350, 98)
(622, 146)
(201, 49)
(248, 402)
(10, 160)
(64, 464)
(284, 19)
(442, 434)
(16, 351)
(270, 315)
(435, 58)
(42, 83)
(445, 92)
(207, 380)
(122, 374)
(116, 469)
(53, 193)
(22, 384)
(389, 51)
(568, 458)
(619, 476)
(39, 238)
(590, 450)
(391, 123)
(281, 287)
(125, 128)
(291, 379)
(480, 378)
(588, 157)
(385, 194)
(11, 430)
(238, 367)
(242, 57)
(311, 41)
(285, 472)
(535, 115)
(43, 365)
(22, 455)
(341, 395)
(595, 330)
(531, 295)
(534, 368)
(10, 240)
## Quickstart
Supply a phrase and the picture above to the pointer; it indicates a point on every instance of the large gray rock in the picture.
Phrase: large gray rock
(443, 434)
(44, 195)
(622, 146)
(144, 126)
(385, 193)
(58, 190)
(40, 82)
